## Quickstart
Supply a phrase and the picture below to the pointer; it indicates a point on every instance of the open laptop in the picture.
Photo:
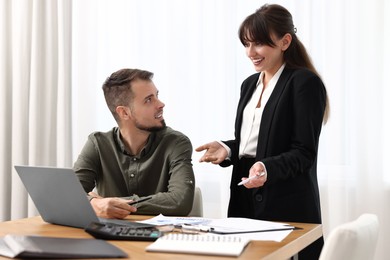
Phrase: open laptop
(60, 199)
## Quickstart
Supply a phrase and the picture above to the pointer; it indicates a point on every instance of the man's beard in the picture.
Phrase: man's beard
(151, 128)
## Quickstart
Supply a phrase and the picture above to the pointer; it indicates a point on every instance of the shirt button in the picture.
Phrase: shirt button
(134, 159)
(259, 197)
(132, 175)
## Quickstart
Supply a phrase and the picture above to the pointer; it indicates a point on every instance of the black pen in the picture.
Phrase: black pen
(140, 200)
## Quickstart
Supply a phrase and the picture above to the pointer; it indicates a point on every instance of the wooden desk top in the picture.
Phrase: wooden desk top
(267, 250)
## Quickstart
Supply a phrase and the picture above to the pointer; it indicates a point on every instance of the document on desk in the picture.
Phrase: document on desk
(162, 220)
(244, 227)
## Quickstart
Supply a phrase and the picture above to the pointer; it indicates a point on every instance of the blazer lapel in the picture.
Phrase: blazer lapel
(269, 111)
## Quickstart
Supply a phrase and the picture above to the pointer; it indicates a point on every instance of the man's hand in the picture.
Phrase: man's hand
(111, 207)
(215, 153)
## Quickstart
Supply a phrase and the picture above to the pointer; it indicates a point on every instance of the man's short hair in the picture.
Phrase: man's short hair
(117, 87)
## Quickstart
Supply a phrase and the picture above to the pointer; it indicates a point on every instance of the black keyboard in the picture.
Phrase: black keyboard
(120, 232)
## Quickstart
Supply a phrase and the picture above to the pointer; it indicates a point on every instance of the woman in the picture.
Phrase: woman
(278, 124)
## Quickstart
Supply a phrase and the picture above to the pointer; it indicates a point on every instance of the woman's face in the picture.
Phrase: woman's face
(267, 58)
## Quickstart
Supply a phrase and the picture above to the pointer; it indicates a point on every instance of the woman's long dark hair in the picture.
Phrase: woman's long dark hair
(277, 20)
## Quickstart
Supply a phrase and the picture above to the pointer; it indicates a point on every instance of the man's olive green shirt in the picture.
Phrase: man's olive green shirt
(163, 169)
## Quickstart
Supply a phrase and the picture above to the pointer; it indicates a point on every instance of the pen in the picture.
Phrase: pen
(251, 178)
(140, 200)
(198, 228)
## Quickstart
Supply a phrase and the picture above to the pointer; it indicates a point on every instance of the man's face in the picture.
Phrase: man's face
(146, 109)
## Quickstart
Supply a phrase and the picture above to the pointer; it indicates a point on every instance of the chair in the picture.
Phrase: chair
(353, 240)
(197, 205)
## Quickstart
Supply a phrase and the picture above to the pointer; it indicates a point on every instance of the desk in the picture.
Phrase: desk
(267, 250)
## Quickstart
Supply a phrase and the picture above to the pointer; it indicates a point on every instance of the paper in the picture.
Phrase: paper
(245, 225)
(247, 228)
(162, 220)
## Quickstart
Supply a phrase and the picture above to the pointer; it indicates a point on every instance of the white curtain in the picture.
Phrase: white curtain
(35, 78)
(199, 64)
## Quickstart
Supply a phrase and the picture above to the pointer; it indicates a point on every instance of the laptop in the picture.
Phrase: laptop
(60, 199)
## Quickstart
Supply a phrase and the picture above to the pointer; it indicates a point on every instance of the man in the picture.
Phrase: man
(140, 157)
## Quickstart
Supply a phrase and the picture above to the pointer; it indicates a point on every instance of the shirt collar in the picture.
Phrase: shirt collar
(123, 149)
(274, 79)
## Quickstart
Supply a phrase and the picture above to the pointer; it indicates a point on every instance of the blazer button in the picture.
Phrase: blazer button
(259, 197)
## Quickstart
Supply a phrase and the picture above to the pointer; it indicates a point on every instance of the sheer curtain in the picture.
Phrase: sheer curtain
(199, 64)
(35, 78)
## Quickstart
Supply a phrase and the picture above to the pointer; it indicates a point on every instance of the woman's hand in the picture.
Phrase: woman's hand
(257, 169)
(215, 153)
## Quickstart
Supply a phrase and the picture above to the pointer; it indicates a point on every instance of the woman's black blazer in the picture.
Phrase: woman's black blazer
(287, 145)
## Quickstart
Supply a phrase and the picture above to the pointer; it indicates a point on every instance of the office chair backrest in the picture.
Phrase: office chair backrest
(353, 240)
(197, 205)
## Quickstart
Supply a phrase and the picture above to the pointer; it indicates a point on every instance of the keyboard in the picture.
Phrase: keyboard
(119, 232)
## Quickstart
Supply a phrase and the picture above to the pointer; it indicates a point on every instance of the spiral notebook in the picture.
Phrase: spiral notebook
(207, 244)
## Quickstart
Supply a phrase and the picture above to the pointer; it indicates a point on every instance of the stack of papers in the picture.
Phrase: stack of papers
(162, 220)
(247, 228)
(245, 225)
